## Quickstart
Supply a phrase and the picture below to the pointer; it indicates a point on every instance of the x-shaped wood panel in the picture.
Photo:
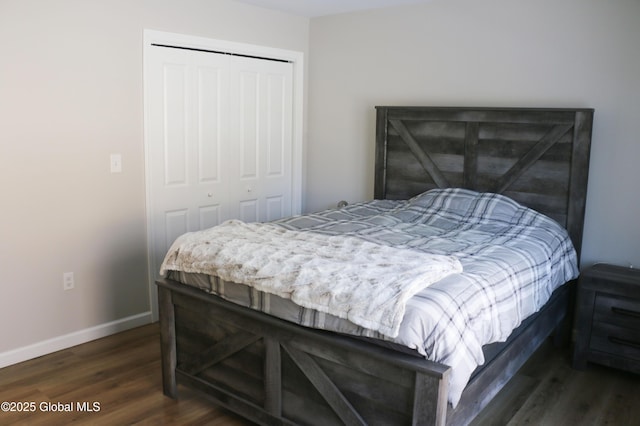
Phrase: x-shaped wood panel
(471, 166)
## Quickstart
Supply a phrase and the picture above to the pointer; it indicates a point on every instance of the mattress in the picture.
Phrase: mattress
(512, 258)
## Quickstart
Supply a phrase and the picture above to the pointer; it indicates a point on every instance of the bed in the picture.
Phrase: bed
(274, 371)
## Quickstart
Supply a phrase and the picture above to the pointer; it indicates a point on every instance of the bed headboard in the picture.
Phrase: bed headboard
(538, 157)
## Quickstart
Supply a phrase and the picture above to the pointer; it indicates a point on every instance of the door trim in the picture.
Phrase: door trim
(151, 37)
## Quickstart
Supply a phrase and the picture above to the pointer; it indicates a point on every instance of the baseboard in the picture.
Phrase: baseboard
(45, 347)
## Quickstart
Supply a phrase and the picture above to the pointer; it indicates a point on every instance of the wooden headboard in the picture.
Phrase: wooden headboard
(538, 157)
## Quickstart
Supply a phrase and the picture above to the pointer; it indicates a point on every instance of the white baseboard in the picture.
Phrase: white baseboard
(48, 346)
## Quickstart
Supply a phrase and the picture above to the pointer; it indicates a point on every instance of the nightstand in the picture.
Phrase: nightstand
(607, 318)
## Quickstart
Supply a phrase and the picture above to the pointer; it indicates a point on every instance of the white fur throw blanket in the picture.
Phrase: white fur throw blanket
(367, 283)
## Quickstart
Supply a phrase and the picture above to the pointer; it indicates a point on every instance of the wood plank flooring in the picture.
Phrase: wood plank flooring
(547, 391)
(121, 373)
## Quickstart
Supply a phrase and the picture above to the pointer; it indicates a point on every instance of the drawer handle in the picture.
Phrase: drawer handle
(626, 312)
(624, 342)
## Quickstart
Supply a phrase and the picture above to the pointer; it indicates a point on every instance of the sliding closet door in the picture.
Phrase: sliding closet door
(219, 141)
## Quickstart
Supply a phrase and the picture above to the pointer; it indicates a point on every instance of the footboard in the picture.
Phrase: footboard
(274, 372)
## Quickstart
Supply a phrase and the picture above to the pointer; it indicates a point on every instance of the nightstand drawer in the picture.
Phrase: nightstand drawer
(621, 311)
(608, 317)
(615, 340)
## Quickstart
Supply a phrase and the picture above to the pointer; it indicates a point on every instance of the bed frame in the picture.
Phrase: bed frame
(277, 373)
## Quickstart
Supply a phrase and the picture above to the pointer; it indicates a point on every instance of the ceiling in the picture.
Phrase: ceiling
(314, 8)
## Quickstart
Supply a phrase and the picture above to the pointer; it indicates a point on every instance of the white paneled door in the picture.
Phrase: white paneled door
(218, 141)
(260, 184)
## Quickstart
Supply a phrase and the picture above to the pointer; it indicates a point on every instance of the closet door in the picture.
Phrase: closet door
(260, 135)
(219, 141)
(187, 115)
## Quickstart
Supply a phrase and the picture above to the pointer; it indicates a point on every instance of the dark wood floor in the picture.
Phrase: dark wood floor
(122, 374)
(547, 391)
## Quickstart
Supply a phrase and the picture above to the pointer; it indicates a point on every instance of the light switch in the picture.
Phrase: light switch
(116, 163)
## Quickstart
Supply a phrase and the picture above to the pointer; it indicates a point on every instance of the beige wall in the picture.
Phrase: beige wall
(70, 95)
(539, 53)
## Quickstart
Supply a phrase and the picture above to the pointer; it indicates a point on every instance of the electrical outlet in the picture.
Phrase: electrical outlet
(68, 281)
(116, 163)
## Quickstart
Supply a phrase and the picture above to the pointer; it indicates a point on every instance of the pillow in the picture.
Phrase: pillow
(473, 207)
(447, 201)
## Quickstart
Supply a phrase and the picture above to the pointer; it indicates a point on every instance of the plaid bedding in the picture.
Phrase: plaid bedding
(513, 258)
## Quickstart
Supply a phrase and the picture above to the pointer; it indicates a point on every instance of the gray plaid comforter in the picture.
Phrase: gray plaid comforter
(513, 258)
